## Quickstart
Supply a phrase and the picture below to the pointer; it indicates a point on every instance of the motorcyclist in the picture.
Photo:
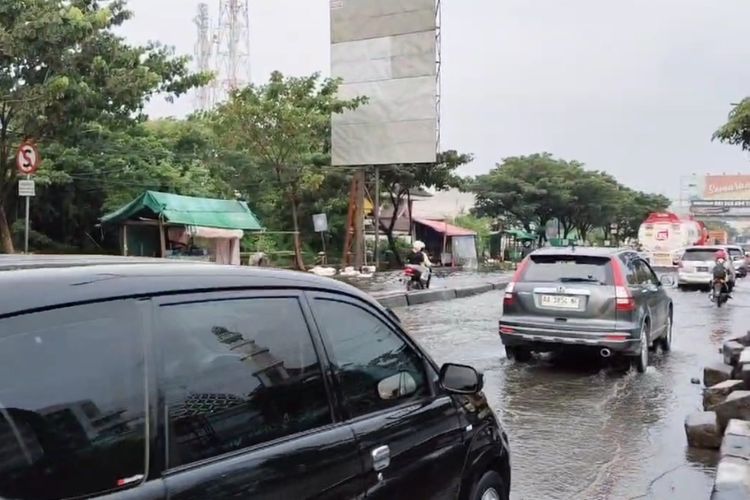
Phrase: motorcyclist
(721, 269)
(418, 260)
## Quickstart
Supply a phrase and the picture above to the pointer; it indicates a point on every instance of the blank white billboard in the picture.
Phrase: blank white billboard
(385, 50)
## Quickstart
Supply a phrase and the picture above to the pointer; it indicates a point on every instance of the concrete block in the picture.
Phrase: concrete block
(716, 373)
(702, 430)
(745, 375)
(744, 356)
(468, 291)
(744, 340)
(736, 442)
(718, 393)
(425, 296)
(731, 350)
(736, 405)
(392, 300)
(732, 480)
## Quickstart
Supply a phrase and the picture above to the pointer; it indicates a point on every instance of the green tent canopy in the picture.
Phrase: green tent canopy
(520, 235)
(187, 210)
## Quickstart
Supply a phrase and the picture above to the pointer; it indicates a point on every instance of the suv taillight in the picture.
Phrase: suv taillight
(510, 295)
(624, 301)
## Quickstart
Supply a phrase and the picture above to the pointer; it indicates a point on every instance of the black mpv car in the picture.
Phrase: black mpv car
(150, 379)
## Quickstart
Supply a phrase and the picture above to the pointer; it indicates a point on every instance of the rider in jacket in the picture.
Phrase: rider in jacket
(721, 269)
(418, 260)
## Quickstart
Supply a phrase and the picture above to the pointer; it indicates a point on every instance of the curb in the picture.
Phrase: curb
(405, 299)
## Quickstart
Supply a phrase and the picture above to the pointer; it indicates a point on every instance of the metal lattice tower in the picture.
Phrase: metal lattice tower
(233, 47)
(202, 53)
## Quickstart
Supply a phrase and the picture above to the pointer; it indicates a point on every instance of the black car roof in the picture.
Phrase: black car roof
(584, 251)
(39, 282)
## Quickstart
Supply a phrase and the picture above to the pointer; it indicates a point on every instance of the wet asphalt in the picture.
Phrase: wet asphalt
(581, 428)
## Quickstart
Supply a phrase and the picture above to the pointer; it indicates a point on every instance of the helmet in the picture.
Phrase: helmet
(720, 254)
(418, 245)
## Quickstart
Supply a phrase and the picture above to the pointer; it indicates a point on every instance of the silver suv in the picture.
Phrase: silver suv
(601, 298)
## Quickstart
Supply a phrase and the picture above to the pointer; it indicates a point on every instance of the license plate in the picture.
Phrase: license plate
(701, 269)
(560, 301)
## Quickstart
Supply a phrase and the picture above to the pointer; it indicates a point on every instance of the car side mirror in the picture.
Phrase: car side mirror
(460, 379)
(666, 280)
(397, 386)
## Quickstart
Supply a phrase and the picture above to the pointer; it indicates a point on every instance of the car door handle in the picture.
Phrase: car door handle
(381, 457)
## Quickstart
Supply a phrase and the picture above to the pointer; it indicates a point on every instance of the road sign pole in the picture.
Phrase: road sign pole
(26, 232)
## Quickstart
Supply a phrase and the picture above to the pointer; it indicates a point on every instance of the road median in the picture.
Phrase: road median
(418, 297)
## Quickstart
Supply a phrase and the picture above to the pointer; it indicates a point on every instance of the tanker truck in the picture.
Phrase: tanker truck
(663, 235)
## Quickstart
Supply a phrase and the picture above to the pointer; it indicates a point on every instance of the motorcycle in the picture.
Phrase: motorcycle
(719, 292)
(413, 279)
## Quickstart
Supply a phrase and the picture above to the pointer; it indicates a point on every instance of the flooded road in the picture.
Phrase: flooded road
(580, 429)
(441, 278)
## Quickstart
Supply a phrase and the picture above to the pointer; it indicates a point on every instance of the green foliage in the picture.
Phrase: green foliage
(481, 225)
(67, 81)
(284, 126)
(533, 190)
(736, 130)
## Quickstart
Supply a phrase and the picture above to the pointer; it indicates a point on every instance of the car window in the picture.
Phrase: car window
(628, 268)
(644, 275)
(699, 254)
(735, 252)
(238, 373)
(72, 411)
(568, 268)
(375, 367)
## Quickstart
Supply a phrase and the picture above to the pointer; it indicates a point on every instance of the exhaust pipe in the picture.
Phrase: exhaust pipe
(605, 353)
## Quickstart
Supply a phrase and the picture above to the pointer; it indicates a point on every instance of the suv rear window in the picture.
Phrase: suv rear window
(568, 269)
(699, 254)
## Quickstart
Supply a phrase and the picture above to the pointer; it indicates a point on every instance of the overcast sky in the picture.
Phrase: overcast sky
(632, 87)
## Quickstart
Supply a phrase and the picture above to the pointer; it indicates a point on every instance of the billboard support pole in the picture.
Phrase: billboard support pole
(358, 219)
(376, 214)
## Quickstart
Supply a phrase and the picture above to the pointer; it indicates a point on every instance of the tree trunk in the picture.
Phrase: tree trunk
(6, 238)
(299, 264)
(394, 248)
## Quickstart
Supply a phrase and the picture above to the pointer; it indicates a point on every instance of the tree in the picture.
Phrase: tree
(399, 181)
(532, 189)
(64, 73)
(633, 207)
(593, 202)
(109, 168)
(284, 125)
(736, 130)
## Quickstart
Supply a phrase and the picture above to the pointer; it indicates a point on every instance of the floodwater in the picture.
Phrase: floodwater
(580, 428)
(441, 278)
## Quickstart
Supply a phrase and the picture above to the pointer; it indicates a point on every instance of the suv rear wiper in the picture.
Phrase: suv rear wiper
(580, 280)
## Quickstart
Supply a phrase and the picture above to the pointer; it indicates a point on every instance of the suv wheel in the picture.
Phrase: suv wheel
(516, 353)
(666, 340)
(640, 361)
(489, 487)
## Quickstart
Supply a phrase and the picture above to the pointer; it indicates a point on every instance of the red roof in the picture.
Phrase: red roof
(444, 228)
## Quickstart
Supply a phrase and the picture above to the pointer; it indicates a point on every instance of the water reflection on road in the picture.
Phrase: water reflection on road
(441, 278)
(579, 428)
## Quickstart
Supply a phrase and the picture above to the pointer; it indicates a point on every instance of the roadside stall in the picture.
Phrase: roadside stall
(183, 227)
(451, 245)
(512, 243)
